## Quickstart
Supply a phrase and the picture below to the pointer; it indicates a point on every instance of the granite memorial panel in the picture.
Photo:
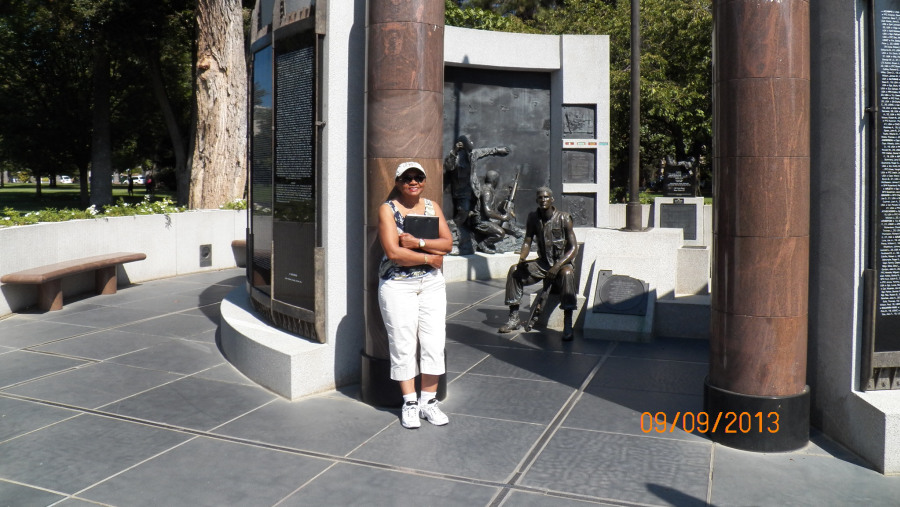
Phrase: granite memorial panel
(502, 108)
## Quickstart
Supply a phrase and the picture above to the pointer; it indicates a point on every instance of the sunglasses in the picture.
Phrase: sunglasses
(418, 178)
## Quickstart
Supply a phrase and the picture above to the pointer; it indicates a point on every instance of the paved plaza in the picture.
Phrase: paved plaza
(126, 400)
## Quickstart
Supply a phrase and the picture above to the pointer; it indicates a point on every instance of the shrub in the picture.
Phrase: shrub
(10, 217)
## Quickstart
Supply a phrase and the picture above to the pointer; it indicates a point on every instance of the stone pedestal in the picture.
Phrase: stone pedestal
(552, 316)
(649, 256)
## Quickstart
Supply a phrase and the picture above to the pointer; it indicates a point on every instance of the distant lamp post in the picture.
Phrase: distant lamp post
(633, 220)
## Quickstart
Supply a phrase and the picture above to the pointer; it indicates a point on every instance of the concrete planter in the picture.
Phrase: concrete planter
(172, 244)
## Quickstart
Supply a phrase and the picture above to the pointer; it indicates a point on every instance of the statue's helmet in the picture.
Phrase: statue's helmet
(492, 177)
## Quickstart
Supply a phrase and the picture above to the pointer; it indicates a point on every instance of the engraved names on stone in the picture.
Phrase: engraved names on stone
(295, 127)
(889, 174)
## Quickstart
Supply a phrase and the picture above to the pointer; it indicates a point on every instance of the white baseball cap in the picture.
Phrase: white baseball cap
(405, 166)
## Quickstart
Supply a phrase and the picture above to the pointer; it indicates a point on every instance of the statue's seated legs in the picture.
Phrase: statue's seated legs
(529, 273)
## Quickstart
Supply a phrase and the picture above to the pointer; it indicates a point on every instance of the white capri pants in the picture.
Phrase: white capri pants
(414, 312)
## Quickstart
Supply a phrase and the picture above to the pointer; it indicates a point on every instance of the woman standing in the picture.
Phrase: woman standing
(412, 297)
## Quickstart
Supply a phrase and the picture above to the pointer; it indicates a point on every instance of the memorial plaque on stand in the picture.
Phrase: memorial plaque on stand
(678, 182)
(620, 294)
(679, 216)
(685, 213)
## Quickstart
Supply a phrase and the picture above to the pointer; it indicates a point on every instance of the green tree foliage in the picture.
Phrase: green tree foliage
(54, 54)
(44, 101)
(467, 16)
(522, 9)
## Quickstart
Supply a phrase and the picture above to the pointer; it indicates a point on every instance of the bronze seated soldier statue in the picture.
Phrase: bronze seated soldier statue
(556, 249)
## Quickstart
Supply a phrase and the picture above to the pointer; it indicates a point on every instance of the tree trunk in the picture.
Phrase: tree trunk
(218, 166)
(179, 147)
(83, 190)
(101, 144)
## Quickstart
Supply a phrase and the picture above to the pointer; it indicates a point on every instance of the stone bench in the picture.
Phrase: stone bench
(49, 277)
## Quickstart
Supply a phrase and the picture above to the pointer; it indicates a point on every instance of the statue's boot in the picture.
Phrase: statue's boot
(513, 323)
(485, 248)
(568, 333)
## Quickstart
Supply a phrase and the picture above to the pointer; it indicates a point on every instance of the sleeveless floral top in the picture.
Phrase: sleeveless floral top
(389, 270)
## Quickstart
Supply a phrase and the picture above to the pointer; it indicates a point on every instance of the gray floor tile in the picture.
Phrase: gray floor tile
(19, 366)
(103, 317)
(548, 339)
(161, 304)
(453, 308)
(506, 398)
(225, 373)
(12, 320)
(75, 502)
(461, 357)
(472, 291)
(175, 356)
(73, 305)
(489, 316)
(531, 364)
(193, 403)
(102, 345)
(93, 385)
(675, 349)
(321, 424)
(208, 472)
(205, 294)
(522, 499)
(639, 413)
(652, 375)
(211, 312)
(172, 326)
(76, 453)
(821, 445)
(470, 447)
(209, 336)
(479, 335)
(622, 467)
(18, 417)
(139, 292)
(232, 277)
(38, 332)
(15, 495)
(745, 478)
(350, 485)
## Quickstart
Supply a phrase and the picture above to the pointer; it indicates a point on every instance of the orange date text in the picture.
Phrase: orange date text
(701, 422)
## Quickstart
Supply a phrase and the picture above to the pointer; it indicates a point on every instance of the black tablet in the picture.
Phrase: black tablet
(421, 226)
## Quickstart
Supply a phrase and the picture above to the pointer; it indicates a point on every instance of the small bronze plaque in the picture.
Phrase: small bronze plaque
(620, 294)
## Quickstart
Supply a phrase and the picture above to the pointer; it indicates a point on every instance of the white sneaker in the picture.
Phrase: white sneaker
(409, 415)
(433, 414)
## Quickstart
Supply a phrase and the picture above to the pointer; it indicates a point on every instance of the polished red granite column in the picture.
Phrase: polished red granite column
(404, 121)
(761, 223)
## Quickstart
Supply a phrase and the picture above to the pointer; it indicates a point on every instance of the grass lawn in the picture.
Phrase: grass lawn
(22, 197)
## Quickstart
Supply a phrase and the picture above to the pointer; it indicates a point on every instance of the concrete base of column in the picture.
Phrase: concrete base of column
(377, 388)
(757, 423)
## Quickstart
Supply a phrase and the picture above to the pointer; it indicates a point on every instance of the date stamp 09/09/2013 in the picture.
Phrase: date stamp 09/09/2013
(701, 422)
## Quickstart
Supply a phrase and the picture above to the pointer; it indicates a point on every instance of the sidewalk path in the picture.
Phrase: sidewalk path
(126, 400)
